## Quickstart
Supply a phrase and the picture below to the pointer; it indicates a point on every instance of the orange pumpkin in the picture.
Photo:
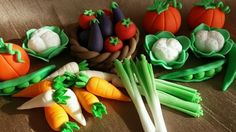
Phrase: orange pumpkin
(10, 67)
(162, 17)
(209, 12)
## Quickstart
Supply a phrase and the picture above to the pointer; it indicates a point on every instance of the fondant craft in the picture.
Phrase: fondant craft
(209, 12)
(117, 12)
(171, 56)
(105, 23)
(210, 42)
(162, 16)
(196, 74)
(14, 61)
(85, 18)
(113, 44)
(46, 42)
(125, 29)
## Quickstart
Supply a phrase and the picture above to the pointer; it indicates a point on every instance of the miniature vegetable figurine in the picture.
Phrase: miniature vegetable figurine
(209, 12)
(143, 72)
(167, 51)
(197, 74)
(113, 44)
(72, 106)
(105, 23)
(125, 29)
(83, 37)
(14, 61)
(162, 16)
(95, 42)
(42, 39)
(46, 42)
(13, 86)
(58, 119)
(117, 12)
(72, 67)
(85, 18)
(230, 75)
(101, 87)
(90, 103)
(210, 42)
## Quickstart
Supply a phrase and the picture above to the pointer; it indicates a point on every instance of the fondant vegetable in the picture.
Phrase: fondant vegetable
(105, 24)
(58, 119)
(95, 42)
(167, 49)
(162, 16)
(164, 49)
(72, 106)
(210, 12)
(101, 87)
(113, 78)
(113, 44)
(90, 103)
(210, 42)
(71, 67)
(14, 61)
(13, 86)
(125, 29)
(43, 39)
(35, 89)
(83, 37)
(230, 74)
(85, 18)
(197, 74)
(117, 12)
(45, 43)
(143, 72)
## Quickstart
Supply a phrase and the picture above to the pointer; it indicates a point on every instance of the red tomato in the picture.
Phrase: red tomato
(169, 20)
(9, 66)
(85, 18)
(125, 29)
(211, 17)
(113, 44)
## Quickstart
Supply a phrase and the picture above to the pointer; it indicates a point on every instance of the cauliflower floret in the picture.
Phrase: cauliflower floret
(167, 49)
(42, 39)
(208, 41)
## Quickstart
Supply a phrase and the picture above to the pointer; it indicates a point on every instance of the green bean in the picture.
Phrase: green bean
(197, 74)
(231, 69)
(10, 87)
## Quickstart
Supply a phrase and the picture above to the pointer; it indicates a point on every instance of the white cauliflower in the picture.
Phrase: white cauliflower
(167, 49)
(208, 41)
(42, 39)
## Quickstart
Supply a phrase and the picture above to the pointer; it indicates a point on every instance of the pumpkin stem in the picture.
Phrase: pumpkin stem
(213, 4)
(89, 12)
(162, 5)
(8, 49)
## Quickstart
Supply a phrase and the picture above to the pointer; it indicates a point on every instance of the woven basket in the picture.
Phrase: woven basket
(101, 61)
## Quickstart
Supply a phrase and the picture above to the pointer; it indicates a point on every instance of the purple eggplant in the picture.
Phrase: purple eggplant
(83, 37)
(95, 42)
(117, 12)
(105, 24)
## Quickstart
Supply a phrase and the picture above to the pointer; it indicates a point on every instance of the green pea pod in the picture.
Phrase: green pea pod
(13, 86)
(197, 74)
(231, 69)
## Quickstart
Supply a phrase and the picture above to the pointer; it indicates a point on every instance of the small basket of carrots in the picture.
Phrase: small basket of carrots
(103, 36)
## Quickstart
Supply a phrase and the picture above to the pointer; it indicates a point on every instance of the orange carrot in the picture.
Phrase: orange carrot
(90, 102)
(58, 120)
(34, 89)
(103, 88)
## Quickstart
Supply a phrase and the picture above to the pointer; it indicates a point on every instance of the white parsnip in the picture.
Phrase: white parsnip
(72, 106)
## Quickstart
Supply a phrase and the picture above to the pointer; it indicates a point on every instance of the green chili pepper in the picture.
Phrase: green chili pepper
(197, 74)
(12, 86)
(231, 69)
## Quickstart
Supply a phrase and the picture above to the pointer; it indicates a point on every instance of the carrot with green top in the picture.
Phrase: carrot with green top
(35, 89)
(90, 103)
(101, 87)
(58, 119)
